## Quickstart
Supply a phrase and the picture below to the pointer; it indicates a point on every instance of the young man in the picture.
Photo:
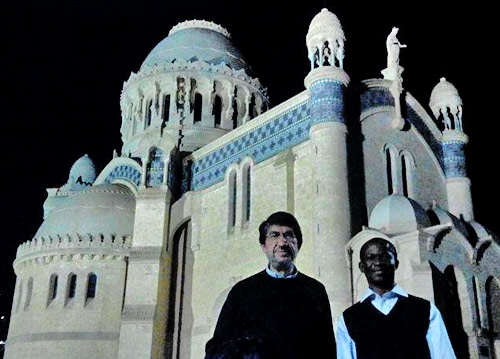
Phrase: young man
(388, 322)
(278, 312)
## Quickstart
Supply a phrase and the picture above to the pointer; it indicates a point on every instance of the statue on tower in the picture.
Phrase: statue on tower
(393, 73)
(393, 70)
(393, 48)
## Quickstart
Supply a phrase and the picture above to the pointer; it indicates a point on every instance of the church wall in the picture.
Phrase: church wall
(228, 254)
(428, 180)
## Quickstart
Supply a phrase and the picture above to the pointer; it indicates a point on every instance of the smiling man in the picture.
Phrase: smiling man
(388, 323)
(278, 312)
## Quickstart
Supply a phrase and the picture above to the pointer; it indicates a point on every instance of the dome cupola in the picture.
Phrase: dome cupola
(193, 87)
(82, 175)
(446, 105)
(397, 214)
(325, 40)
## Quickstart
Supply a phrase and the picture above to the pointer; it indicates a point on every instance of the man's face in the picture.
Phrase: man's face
(379, 265)
(281, 247)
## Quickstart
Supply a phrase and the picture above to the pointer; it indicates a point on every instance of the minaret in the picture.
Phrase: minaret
(446, 105)
(326, 83)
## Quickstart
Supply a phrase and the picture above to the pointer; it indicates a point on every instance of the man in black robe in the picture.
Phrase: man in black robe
(278, 312)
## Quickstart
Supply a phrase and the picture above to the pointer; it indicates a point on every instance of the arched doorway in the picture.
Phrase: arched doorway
(493, 308)
(180, 316)
(448, 301)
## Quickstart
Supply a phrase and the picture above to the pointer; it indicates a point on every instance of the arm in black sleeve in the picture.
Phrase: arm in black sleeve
(327, 335)
(225, 328)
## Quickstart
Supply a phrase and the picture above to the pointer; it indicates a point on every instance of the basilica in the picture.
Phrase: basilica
(136, 261)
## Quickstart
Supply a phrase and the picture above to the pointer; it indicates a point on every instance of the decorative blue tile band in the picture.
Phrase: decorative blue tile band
(124, 172)
(261, 143)
(454, 159)
(426, 133)
(376, 97)
(155, 169)
(327, 101)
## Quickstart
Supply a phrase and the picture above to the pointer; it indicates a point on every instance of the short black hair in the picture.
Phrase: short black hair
(281, 219)
(377, 240)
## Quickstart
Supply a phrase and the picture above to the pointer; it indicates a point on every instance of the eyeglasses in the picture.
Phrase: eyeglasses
(288, 236)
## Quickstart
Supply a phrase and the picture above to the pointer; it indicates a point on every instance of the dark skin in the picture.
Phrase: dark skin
(379, 263)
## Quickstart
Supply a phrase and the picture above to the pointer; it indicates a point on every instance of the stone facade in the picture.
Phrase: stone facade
(136, 262)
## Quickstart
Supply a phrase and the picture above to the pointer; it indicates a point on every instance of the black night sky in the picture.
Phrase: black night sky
(63, 64)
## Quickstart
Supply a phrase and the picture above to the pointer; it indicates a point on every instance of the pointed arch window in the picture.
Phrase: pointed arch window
(91, 286)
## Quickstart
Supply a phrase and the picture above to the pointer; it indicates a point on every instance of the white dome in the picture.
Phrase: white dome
(396, 214)
(100, 209)
(325, 26)
(82, 174)
(444, 95)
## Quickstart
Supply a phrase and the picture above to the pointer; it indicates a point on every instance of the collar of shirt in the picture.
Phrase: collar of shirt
(274, 274)
(384, 303)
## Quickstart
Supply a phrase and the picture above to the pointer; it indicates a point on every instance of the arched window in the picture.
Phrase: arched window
(452, 299)
(252, 109)
(493, 305)
(29, 293)
(407, 174)
(53, 287)
(19, 294)
(232, 199)
(391, 169)
(147, 120)
(155, 168)
(166, 108)
(198, 102)
(71, 285)
(217, 110)
(247, 197)
(91, 286)
(388, 168)
(234, 106)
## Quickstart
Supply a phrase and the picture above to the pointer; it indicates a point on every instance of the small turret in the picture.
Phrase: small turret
(446, 105)
(325, 41)
(326, 83)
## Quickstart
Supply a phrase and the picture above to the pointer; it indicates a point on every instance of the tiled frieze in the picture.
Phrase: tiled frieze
(376, 97)
(155, 169)
(454, 159)
(426, 133)
(124, 172)
(327, 101)
(261, 143)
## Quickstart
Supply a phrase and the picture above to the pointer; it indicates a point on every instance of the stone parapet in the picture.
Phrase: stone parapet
(43, 248)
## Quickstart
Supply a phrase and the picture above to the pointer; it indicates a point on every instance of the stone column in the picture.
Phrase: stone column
(333, 224)
(144, 316)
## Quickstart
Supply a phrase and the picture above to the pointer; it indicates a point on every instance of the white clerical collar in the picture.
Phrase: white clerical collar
(282, 275)
(395, 291)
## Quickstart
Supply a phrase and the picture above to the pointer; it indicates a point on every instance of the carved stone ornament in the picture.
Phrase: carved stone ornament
(199, 24)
